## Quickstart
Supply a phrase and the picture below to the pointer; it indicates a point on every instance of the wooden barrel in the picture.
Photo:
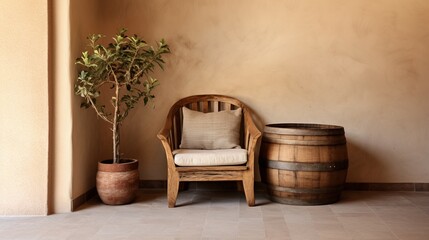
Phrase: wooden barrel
(303, 164)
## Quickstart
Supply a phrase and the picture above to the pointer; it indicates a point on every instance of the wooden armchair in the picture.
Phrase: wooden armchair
(171, 136)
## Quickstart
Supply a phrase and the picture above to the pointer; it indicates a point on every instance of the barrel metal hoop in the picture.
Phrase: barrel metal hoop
(304, 129)
(294, 201)
(330, 142)
(335, 189)
(309, 167)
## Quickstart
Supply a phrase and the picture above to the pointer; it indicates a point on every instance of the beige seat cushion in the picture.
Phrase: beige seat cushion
(214, 130)
(219, 157)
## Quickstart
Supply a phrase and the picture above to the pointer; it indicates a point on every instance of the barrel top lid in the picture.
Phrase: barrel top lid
(304, 129)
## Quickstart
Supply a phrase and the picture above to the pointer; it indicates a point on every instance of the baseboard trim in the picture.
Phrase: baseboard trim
(155, 184)
(408, 187)
(352, 186)
(77, 202)
(259, 186)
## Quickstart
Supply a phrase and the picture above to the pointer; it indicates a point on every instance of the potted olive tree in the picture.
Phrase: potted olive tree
(112, 79)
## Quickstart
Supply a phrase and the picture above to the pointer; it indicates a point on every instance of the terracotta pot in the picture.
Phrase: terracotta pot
(117, 183)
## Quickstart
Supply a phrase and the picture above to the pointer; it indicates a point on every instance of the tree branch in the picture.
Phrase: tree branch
(98, 112)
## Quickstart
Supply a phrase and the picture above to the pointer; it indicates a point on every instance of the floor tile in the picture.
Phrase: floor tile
(225, 215)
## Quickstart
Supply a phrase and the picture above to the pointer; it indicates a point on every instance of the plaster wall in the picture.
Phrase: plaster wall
(75, 133)
(85, 134)
(60, 190)
(24, 121)
(361, 64)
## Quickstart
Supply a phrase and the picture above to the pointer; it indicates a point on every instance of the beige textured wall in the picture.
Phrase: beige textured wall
(61, 117)
(74, 143)
(24, 121)
(85, 134)
(361, 64)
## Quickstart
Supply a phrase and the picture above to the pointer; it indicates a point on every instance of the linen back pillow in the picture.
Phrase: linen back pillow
(213, 130)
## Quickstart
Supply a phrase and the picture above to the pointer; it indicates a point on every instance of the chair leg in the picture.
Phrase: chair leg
(172, 189)
(248, 185)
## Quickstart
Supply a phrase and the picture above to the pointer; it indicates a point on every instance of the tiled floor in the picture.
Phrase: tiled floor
(224, 215)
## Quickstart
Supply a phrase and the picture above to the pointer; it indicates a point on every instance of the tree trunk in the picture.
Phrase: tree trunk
(115, 127)
(116, 157)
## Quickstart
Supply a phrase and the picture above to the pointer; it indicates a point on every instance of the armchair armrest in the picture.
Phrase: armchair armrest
(165, 136)
(251, 135)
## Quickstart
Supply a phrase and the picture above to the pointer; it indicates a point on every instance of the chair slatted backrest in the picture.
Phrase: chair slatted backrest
(201, 103)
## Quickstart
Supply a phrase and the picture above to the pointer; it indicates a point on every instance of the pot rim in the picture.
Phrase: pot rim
(107, 165)
(122, 161)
